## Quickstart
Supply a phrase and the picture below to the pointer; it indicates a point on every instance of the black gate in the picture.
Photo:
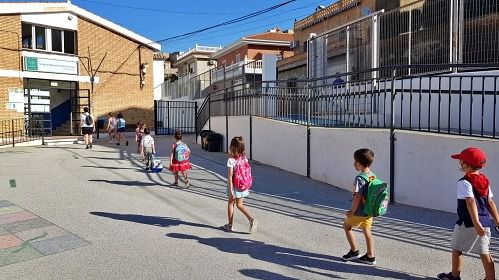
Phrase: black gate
(171, 116)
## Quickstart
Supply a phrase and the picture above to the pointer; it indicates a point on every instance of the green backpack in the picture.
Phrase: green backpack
(377, 196)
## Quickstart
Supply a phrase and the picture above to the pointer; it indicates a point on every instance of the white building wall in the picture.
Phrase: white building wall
(240, 126)
(425, 175)
(331, 154)
(280, 144)
(158, 69)
(60, 20)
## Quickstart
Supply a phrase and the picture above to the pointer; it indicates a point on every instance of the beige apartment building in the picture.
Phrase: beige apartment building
(56, 58)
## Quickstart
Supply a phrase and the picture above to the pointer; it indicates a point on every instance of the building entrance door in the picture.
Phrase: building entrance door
(47, 106)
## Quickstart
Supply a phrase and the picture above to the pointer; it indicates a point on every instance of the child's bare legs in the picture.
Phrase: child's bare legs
(186, 180)
(488, 266)
(175, 175)
(369, 241)
(230, 210)
(240, 206)
(350, 237)
(457, 263)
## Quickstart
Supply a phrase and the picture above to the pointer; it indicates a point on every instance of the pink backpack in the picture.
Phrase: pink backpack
(241, 177)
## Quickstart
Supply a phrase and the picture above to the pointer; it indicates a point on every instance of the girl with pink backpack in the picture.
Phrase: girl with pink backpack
(239, 181)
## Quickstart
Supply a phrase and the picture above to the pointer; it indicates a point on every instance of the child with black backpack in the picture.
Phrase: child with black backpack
(239, 181)
(357, 216)
(179, 159)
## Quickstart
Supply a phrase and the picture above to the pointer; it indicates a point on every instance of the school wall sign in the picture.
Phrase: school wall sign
(47, 65)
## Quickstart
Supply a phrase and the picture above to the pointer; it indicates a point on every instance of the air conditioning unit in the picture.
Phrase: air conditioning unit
(211, 62)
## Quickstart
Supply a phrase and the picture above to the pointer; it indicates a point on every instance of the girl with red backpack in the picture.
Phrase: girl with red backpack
(239, 181)
(179, 159)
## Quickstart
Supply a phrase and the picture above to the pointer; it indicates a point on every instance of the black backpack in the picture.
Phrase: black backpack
(89, 120)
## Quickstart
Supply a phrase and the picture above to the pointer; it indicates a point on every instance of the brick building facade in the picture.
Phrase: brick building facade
(50, 51)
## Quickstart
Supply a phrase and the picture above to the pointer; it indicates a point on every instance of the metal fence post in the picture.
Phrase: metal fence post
(196, 120)
(308, 129)
(392, 138)
(156, 117)
(13, 136)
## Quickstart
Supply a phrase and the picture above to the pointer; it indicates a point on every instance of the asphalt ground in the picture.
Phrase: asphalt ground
(126, 223)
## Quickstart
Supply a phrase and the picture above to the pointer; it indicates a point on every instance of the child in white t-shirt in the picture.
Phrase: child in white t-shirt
(148, 149)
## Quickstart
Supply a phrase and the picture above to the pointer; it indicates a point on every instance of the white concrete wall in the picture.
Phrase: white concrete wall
(240, 126)
(280, 144)
(218, 126)
(426, 176)
(158, 69)
(331, 154)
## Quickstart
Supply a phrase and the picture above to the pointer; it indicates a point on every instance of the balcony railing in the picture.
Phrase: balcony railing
(199, 49)
(237, 69)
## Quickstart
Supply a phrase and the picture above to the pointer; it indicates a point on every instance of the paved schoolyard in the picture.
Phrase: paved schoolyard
(71, 213)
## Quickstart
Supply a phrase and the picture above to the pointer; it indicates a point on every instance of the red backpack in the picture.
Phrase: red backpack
(241, 177)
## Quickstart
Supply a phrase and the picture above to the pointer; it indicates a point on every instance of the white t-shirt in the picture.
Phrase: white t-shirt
(147, 141)
(231, 162)
(83, 119)
(465, 189)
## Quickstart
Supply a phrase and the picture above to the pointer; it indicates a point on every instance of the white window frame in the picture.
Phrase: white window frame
(238, 58)
(48, 39)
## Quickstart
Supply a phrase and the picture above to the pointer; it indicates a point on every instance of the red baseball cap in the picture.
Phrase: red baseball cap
(472, 156)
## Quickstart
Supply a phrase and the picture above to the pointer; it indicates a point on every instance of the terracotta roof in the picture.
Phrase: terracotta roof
(274, 36)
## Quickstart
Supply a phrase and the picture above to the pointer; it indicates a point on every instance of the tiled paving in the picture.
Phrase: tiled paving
(25, 236)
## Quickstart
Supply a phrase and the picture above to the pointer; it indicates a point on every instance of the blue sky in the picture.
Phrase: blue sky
(157, 25)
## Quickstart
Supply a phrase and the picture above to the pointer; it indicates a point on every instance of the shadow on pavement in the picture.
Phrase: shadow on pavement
(150, 220)
(263, 275)
(293, 258)
(129, 183)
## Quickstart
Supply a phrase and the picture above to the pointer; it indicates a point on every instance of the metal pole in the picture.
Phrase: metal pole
(156, 117)
(226, 114)
(196, 120)
(308, 130)
(392, 138)
(71, 123)
(13, 136)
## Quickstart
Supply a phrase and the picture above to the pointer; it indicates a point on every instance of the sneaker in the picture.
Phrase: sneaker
(447, 276)
(351, 255)
(253, 226)
(187, 184)
(367, 260)
(126, 143)
(228, 227)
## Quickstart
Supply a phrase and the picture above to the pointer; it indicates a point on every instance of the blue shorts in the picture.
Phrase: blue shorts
(122, 129)
(238, 193)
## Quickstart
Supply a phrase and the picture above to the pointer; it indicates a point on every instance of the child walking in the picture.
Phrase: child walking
(148, 148)
(139, 132)
(179, 159)
(356, 216)
(474, 204)
(111, 127)
(235, 194)
(120, 125)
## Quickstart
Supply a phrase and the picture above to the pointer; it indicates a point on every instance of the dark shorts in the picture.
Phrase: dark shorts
(87, 130)
(122, 129)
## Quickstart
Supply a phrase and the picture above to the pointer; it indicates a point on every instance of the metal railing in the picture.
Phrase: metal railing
(192, 87)
(459, 104)
(423, 32)
(20, 130)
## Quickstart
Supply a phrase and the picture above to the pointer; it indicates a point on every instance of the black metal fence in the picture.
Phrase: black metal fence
(20, 130)
(171, 116)
(450, 103)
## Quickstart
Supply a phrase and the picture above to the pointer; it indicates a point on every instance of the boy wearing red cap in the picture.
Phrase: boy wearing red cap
(474, 203)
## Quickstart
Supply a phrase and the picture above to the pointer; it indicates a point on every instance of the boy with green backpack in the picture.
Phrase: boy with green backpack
(370, 200)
